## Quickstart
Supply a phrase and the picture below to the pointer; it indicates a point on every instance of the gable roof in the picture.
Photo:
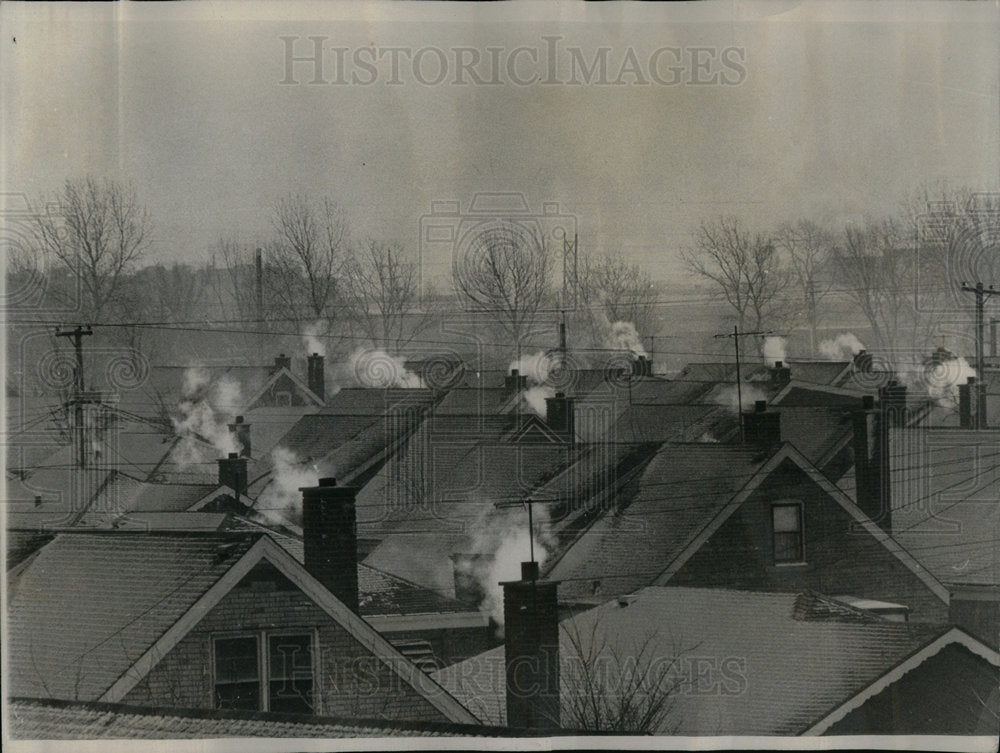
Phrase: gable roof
(277, 375)
(777, 666)
(680, 489)
(91, 614)
(685, 495)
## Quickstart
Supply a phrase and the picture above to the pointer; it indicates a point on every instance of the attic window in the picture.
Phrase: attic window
(237, 673)
(286, 659)
(283, 399)
(786, 520)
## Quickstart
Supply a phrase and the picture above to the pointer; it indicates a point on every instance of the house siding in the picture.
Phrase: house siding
(351, 681)
(450, 645)
(841, 557)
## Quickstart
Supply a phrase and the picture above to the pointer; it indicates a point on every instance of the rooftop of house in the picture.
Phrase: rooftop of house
(830, 373)
(739, 663)
(85, 607)
(680, 489)
(426, 507)
(381, 593)
(47, 719)
(78, 617)
(945, 484)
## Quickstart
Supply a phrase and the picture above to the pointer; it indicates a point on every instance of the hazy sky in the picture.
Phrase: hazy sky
(829, 111)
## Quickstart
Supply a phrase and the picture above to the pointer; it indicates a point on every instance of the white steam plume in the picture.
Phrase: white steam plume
(205, 413)
(623, 336)
(535, 367)
(729, 396)
(775, 349)
(312, 338)
(940, 378)
(535, 397)
(842, 347)
(373, 367)
(282, 495)
(503, 542)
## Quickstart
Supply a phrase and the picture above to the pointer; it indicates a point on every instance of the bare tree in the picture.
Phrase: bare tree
(505, 271)
(745, 267)
(233, 281)
(807, 248)
(875, 266)
(168, 294)
(100, 233)
(380, 288)
(305, 258)
(620, 291)
(955, 235)
(608, 687)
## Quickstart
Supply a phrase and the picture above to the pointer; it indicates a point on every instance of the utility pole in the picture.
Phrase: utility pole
(736, 335)
(259, 267)
(981, 294)
(78, 334)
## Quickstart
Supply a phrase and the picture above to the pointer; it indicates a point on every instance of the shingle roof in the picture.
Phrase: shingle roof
(945, 486)
(815, 432)
(94, 578)
(381, 593)
(816, 372)
(773, 668)
(44, 719)
(678, 493)
(423, 514)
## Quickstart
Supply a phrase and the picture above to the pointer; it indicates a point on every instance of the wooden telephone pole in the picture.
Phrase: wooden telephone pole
(77, 335)
(736, 335)
(981, 293)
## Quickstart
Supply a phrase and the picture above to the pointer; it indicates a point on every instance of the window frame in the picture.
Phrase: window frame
(800, 508)
(263, 638)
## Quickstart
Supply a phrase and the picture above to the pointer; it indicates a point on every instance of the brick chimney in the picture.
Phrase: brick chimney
(241, 432)
(233, 473)
(863, 361)
(281, 362)
(967, 398)
(871, 462)
(780, 374)
(329, 530)
(315, 376)
(515, 382)
(762, 426)
(642, 367)
(531, 650)
(560, 415)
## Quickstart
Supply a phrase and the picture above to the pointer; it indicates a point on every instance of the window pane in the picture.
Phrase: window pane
(786, 518)
(236, 659)
(787, 547)
(291, 696)
(291, 673)
(289, 656)
(238, 695)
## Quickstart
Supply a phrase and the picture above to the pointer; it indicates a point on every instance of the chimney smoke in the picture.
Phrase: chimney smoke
(241, 433)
